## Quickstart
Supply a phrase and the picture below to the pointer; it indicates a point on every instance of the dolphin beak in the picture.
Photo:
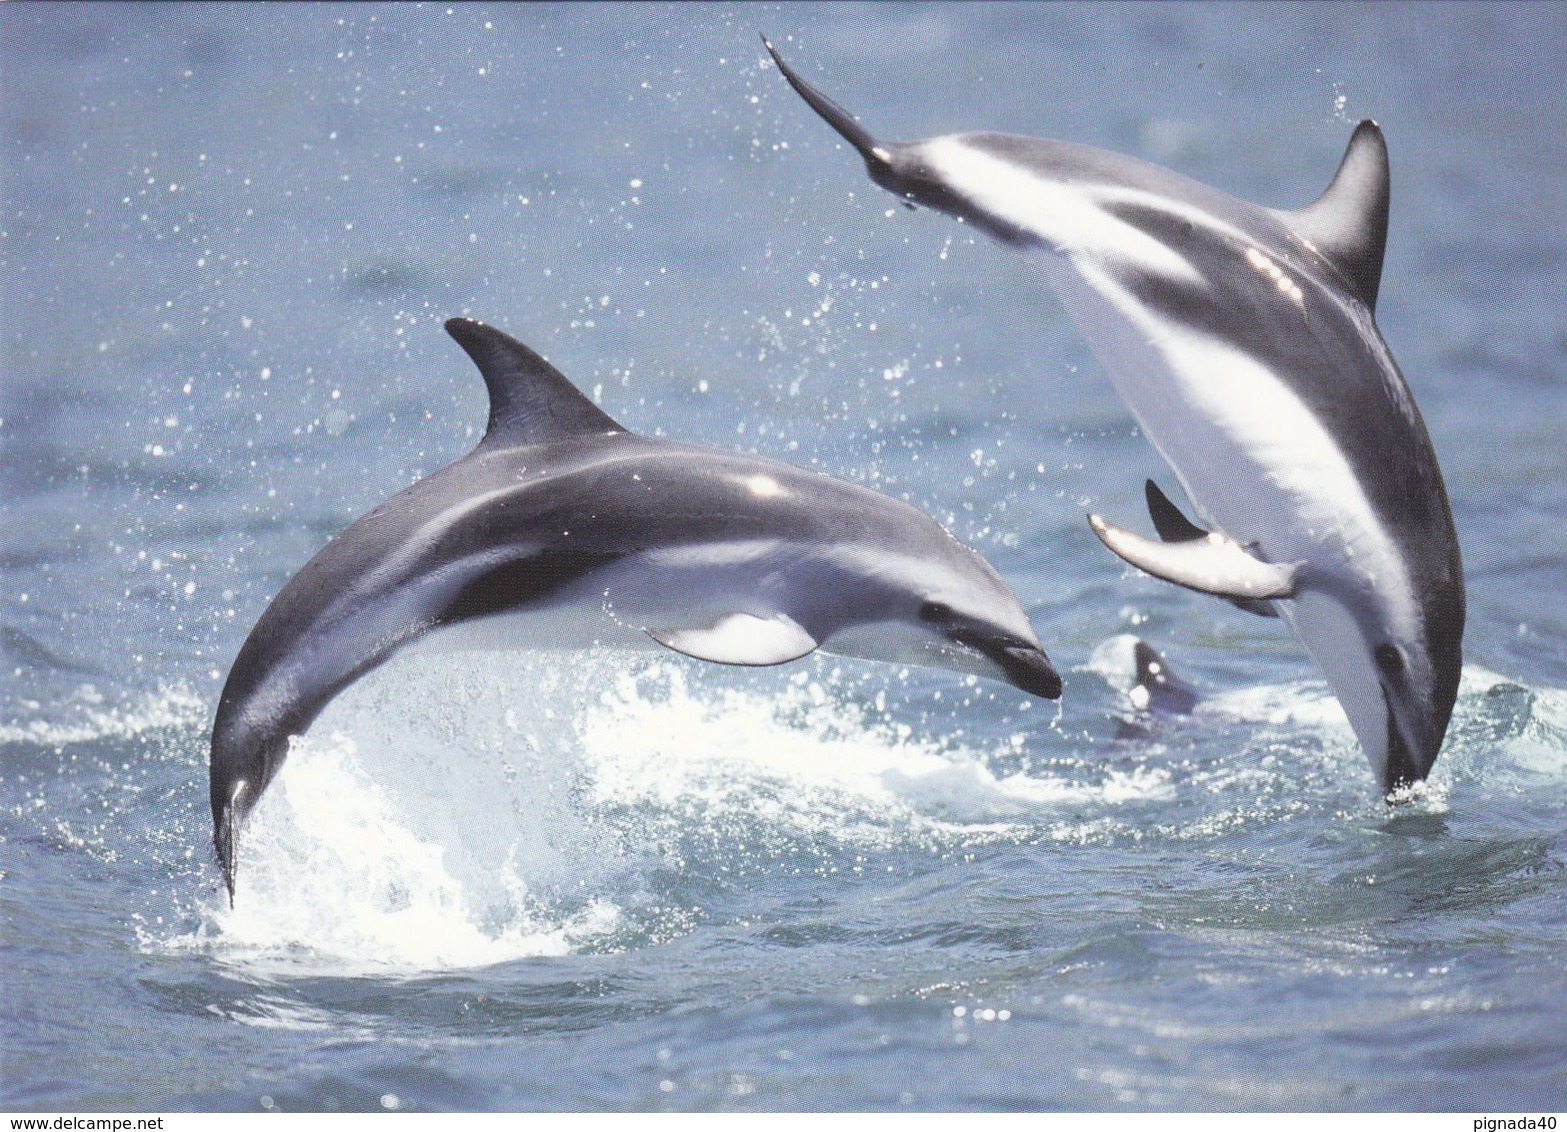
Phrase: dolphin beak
(1029, 669)
(225, 838)
(1409, 759)
(1023, 665)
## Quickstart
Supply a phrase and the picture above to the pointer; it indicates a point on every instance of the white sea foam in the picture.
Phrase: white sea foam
(334, 867)
(1115, 662)
(803, 760)
(1297, 703)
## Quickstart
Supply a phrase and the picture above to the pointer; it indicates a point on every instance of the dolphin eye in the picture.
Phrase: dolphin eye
(935, 611)
(1389, 659)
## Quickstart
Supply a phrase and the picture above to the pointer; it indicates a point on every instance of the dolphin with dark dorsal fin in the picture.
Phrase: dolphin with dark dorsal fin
(1154, 693)
(562, 528)
(1243, 340)
(1155, 685)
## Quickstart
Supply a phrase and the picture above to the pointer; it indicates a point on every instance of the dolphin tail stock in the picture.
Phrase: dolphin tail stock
(877, 157)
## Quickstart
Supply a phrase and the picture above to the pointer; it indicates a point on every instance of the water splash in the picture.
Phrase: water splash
(335, 866)
(480, 809)
(826, 767)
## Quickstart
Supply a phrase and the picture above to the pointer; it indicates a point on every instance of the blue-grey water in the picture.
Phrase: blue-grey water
(572, 881)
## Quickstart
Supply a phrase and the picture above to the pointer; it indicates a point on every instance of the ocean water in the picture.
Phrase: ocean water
(563, 881)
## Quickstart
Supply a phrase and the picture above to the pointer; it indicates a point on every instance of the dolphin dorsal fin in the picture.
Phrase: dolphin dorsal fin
(1347, 224)
(530, 400)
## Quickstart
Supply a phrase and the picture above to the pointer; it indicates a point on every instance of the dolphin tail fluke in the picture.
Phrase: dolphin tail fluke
(877, 157)
(230, 804)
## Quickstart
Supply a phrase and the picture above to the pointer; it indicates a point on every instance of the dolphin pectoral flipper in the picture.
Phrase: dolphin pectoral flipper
(1173, 526)
(1212, 564)
(741, 638)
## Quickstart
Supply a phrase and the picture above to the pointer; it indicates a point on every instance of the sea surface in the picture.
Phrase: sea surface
(556, 880)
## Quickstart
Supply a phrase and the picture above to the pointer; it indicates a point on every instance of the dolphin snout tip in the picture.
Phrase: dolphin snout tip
(1407, 764)
(1031, 671)
(224, 841)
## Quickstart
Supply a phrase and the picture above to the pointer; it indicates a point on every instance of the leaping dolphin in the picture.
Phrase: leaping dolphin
(563, 528)
(1243, 341)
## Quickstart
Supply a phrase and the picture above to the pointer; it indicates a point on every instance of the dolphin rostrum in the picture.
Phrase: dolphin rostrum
(562, 528)
(1243, 341)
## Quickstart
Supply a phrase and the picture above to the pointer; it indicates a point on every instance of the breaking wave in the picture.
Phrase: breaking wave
(86, 715)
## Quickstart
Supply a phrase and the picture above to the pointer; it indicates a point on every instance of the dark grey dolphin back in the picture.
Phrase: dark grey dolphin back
(531, 401)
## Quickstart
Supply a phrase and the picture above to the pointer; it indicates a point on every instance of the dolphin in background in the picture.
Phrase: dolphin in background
(1153, 692)
(1243, 341)
(561, 528)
